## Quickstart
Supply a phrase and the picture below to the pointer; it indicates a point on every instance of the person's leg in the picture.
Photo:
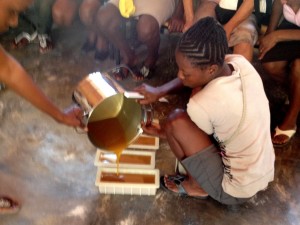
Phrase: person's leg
(245, 49)
(289, 123)
(205, 8)
(65, 11)
(179, 129)
(27, 28)
(108, 22)
(87, 12)
(288, 77)
(44, 24)
(44, 15)
(278, 70)
(200, 157)
(244, 37)
(148, 34)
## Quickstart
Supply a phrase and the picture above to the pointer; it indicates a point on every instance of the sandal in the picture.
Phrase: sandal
(46, 44)
(177, 180)
(142, 73)
(23, 39)
(8, 206)
(289, 134)
(120, 73)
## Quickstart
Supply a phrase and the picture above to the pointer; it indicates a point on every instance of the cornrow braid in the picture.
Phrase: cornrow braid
(205, 43)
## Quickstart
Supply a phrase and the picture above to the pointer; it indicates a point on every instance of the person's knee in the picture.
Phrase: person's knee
(175, 120)
(148, 29)
(206, 8)
(63, 12)
(107, 19)
(245, 49)
(273, 69)
(87, 11)
(85, 16)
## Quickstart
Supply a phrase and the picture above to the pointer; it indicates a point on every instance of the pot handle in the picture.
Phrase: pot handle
(84, 120)
(147, 114)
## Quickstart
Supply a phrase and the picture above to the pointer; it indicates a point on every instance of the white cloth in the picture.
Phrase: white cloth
(217, 109)
(161, 10)
(232, 5)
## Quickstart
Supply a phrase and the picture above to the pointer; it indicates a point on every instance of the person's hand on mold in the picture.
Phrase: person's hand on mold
(154, 129)
(151, 94)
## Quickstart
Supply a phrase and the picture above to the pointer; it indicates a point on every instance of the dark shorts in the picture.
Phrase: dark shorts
(284, 51)
(206, 167)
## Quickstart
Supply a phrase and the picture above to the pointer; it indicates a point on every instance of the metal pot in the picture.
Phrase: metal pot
(113, 120)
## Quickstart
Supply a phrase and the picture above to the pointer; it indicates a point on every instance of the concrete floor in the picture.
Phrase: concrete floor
(49, 167)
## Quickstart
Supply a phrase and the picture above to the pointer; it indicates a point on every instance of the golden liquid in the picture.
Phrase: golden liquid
(128, 178)
(108, 134)
(145, 141)
(126, 158)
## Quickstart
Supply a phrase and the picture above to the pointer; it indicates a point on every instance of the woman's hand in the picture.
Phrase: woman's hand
(151, 94)
(228, 29)
(266, 43)
(175, 25)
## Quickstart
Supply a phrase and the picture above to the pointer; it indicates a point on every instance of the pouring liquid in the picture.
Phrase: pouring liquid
(103, 133)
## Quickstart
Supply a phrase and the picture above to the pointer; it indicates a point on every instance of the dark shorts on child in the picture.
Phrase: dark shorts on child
(206, 167)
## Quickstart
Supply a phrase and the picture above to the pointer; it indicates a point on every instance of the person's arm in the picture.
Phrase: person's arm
(188, 13)
(206, 8)
(277, 11)
(176, 22)
(242, 13)
(13, 75)
(271, 39)
(152, 94)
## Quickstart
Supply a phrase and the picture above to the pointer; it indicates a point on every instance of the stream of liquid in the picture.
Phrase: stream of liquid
(108, 134)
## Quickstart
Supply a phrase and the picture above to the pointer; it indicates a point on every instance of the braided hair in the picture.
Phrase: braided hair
(205, 43)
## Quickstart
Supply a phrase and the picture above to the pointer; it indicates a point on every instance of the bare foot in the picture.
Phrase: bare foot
(190, 187)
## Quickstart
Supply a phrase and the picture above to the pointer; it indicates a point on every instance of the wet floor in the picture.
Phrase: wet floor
(49, 168)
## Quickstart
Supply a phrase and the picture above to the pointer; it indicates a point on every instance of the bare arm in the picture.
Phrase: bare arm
(152, 94)
(271, 39)
(176, 22)
(16, 78)
(276, 15)
(243, 12)
(273, 36)
(189, 14)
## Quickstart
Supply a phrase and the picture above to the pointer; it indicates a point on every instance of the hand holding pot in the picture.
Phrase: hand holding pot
(151, 94)
(153, 129)
(72, 117)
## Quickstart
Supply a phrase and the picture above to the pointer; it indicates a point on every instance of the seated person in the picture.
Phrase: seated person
(237, 18)
(14, 76)
(65, 11)
(280, 57)
(150, 16)
(38, 21)
(228, 104)
(203, 9)
(87, 13)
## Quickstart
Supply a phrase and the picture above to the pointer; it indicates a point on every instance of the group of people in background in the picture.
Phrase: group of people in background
(217, 80)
